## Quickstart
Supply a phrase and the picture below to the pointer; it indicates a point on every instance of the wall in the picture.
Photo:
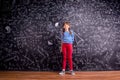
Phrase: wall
(30, 34)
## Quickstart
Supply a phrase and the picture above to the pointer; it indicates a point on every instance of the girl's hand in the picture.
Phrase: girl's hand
(60, 49)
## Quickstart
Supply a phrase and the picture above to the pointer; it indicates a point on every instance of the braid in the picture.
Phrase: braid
(70, 31)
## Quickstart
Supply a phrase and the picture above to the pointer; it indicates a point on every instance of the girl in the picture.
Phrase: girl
(67, 38)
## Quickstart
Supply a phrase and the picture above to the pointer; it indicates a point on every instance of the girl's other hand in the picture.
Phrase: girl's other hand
(60, 49)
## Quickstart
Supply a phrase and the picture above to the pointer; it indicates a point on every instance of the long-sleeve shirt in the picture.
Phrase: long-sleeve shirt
(66, 37)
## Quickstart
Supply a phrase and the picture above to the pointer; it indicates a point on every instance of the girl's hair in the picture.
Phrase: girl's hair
(63, 29)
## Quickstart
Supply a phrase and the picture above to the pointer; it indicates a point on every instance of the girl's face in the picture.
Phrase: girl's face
(66, 26)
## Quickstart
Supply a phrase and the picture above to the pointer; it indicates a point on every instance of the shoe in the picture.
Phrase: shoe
(72, 72)
(62, 73)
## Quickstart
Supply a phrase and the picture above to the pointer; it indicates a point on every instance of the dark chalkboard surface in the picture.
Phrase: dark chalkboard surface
(30, 34)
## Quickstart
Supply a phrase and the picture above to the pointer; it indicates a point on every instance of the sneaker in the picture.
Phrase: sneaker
(62, 73)
(72, 72)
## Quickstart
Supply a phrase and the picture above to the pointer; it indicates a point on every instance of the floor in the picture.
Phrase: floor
(40, 75)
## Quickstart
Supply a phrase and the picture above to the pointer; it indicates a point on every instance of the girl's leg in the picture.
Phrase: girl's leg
(69, 51)
(64, 56)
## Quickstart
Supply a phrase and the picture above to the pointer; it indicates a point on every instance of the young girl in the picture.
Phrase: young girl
(67, 38)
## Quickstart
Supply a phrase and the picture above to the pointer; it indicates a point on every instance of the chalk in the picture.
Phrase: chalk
(8, 29)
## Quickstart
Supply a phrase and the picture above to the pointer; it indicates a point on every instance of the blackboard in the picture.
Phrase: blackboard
(30, 34)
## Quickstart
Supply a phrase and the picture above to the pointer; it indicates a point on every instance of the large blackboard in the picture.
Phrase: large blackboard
(30, 34)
